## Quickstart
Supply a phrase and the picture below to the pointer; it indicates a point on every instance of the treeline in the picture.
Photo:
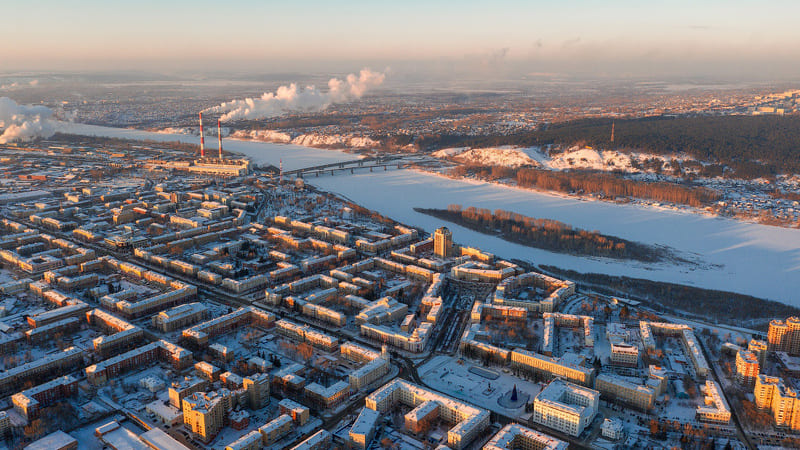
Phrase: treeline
(613, 186)
(124, 144)
(711, 305)
(606, 184)
(545, 234)
(753, 146)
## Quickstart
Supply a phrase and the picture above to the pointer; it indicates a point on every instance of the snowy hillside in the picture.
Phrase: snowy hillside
(501, 156)
(263, 135)
(574, 158)
(307, 140)
(334, 140)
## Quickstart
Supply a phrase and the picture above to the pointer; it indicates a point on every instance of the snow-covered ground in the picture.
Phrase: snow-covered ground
(748, 258)
(444, 374)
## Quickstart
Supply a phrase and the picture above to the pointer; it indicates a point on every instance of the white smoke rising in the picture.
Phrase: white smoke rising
(24, 122)
(19, 85)
(290, 98)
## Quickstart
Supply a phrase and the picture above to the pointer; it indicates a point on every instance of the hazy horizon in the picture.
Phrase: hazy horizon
(507, 38)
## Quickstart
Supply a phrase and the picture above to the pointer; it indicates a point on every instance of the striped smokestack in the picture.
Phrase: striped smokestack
(219, 136)
(202, 138)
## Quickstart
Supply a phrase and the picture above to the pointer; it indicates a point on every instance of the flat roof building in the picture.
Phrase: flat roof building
(515, 436)
(566, 407)
(469, 421)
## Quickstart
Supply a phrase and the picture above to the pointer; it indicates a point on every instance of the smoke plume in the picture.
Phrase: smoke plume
(290, 98)
(24, 122)
(19, 85)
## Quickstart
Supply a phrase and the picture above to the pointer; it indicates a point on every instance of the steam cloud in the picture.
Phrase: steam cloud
(290, 98)
(17, 85)
(24, 122)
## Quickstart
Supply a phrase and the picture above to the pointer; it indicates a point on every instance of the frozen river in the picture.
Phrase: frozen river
(294, 156)
(735, 256)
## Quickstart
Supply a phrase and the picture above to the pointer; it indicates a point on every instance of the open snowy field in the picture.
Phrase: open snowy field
(748, 258)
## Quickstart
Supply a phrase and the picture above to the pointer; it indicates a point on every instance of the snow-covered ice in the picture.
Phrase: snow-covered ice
(748, 258)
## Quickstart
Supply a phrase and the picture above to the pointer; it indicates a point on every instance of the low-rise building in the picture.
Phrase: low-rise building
(623, 354)
(250, 441)
(363, 429)
(552, 367)
(636, 395)
(469, 421)
(276, 429)
(57, 440)
(299, 413)
(28, 403)
(318, 441)
(5, 423)
(179, 316)
(716, 407)
(515, 436)
(328, 397)
(613, 429)
(566, 407)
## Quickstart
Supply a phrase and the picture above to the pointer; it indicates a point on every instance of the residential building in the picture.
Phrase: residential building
(716, 407)
(747, 367)
(205, 413)
(443, 243)
(565, 407)
(636, 395)
(469, 421)
(276, 429)
(515, 436)
(321, 440)
(784, 336)
(552, 367)
(363, 429)
(28, 403)
(257, 387)
(299, 413)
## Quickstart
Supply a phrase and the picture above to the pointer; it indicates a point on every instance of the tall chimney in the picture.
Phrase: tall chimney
(202, 138)
(219, 136)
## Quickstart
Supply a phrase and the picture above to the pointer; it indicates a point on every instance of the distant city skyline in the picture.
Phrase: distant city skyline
(616, 37)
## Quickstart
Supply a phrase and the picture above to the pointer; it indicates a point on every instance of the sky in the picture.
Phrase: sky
(533, 35)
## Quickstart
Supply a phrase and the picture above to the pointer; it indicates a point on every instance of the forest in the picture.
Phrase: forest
(546, 234)
(753, 146)
(604, 184)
